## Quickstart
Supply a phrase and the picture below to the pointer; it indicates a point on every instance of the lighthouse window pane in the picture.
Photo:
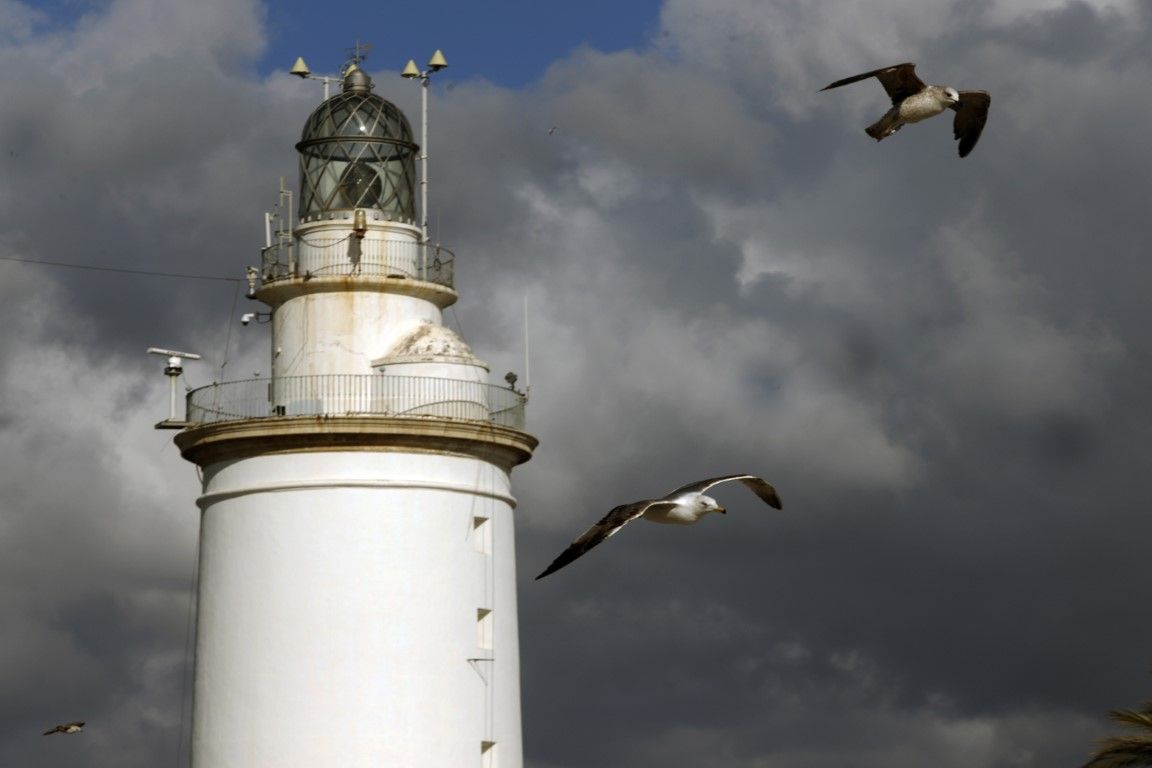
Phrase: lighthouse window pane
(359, 187)
(482, 535)
(375, 176)
(484, 628)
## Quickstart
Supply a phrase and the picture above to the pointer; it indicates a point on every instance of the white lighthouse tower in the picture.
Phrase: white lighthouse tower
(357, 602)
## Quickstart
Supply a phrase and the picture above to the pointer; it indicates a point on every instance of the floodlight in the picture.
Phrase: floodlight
(437, 62)
(300, 69)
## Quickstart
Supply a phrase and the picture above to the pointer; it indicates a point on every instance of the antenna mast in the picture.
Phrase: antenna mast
(527, 368)
(172, 370)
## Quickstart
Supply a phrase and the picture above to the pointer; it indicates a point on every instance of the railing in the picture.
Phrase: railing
(356, 395)
(325, 256)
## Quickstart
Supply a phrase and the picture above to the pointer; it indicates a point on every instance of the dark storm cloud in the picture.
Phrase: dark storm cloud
(113, 155)
(940, 364)
(933, 324)
(1074, 33)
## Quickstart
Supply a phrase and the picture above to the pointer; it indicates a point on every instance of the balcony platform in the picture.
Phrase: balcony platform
(205, 444)
(347, 412)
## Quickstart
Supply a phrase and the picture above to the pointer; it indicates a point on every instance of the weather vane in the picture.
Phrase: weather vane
(356, 54)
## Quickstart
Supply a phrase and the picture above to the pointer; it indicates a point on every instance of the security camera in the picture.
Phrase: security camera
(247, 317)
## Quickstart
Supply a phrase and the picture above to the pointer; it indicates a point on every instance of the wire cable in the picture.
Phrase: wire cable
(150, 273)
(459, 326)
(228, 330)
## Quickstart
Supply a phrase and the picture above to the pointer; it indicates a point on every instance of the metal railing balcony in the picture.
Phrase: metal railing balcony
(348, 256)
(356, 395)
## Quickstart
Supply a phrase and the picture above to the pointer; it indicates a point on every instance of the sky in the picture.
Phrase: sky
(942, 364)
(507, 42)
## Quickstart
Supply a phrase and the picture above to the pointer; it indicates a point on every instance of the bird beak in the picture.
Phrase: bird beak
(721, 510)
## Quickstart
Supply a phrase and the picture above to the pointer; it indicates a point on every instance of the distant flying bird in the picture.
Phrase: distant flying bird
(913, 101)
(73, 727)
(683, 506)
(552, 130)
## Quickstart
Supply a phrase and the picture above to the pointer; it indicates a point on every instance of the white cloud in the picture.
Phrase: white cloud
(18, 20)
(205, 34)
(786, 50)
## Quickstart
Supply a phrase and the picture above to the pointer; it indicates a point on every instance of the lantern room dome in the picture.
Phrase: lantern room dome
(356, 151)
(356, 113)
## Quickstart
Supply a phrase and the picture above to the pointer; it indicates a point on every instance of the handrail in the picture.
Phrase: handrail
(348, 256)
(356, 395)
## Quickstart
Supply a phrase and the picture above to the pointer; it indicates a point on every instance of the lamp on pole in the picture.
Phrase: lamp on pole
(411, 71)
(300, 69)
(356, 55)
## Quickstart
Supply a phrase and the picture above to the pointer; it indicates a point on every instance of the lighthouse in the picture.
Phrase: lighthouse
(357, 602)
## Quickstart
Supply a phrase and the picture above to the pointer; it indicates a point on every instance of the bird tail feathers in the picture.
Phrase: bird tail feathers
(885, 126)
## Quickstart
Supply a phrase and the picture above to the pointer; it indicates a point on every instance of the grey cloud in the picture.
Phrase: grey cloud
(940, 364)
(1075, 32)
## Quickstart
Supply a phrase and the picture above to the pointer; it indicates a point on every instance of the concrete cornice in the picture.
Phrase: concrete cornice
(206, 444)
(276, 293)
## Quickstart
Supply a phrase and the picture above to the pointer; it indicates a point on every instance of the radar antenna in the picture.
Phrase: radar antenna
(172, 370)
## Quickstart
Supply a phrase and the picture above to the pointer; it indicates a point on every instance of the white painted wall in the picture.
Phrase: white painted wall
(342, 331)
(338, 613)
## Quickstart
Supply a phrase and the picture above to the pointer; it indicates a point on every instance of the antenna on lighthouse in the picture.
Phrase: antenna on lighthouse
(527, 368)
(411, 72)
(172, 370)
(356, 56)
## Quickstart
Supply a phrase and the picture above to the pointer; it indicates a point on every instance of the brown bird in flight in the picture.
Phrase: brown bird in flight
(683, 506)
(73, 727)
(913, 101)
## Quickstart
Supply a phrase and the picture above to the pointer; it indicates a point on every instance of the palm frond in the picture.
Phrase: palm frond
(1131, 751)
(1134, 718)
(1118, 752)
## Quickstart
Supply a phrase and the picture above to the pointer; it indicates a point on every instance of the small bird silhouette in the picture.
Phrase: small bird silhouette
(73, 727)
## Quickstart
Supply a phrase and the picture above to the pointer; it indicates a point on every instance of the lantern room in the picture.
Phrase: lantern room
(357, 152)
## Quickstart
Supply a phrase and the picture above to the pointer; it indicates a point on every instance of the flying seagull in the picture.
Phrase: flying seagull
(73, 727)
(683, 506)
(913, 101)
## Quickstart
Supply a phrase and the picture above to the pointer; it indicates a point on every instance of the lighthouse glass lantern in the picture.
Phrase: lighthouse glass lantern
(357, 151)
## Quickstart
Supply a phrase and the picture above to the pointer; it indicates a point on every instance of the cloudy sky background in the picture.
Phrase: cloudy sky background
(942, 364)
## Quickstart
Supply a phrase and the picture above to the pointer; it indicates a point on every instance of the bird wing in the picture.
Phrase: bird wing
(63, 728)
(755, 484)
(971, 114)
(606, 527)
(899, 80)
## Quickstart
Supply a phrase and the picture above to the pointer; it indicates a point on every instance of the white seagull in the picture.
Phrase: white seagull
(913, 101)
(683, 506)
(73, 727)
